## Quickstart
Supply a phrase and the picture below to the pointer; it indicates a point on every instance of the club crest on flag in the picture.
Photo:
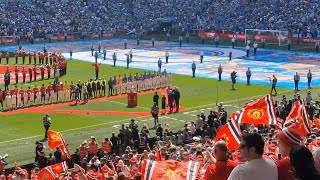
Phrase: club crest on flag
(169, 171)
(57, 168)
(55, 137)
(255, 113)
(45, 177)
(226, 139)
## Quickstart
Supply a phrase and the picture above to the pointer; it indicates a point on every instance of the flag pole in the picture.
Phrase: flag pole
(217, 95)
(239, 101)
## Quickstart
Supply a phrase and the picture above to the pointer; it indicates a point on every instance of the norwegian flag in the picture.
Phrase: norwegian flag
(53, 171)
(231, 134)
(261, 111)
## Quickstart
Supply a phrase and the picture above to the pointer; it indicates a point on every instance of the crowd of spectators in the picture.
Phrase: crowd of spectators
(20, 17)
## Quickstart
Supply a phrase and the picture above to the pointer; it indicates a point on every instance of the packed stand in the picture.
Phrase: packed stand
(22, 17)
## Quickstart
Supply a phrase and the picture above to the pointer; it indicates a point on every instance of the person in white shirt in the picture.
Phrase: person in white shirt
(199, 125)
(248, 50)
(31, 100)
(8, 101)
(14, 101)
(233, 40)
(309, 76)
(201, 56)
(25, 99)
(296, 79)
(256, 167)
(167, 57)
(255, 47)
(38, 98)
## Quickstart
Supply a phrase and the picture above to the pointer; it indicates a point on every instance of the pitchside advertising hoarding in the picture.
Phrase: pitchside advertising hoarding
(257, 37)
(54, 37)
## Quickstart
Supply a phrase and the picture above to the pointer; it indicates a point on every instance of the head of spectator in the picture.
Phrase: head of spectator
(287, 139)
(302, 162)
(251, 146)
(221, 151)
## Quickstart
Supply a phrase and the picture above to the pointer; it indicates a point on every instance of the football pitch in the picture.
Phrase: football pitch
(100, 117)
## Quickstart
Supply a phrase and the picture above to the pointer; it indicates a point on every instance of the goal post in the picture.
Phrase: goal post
(269, 36)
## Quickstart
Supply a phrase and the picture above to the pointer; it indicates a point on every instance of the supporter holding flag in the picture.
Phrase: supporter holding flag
(221, 166)
(230, 134)
(55, 139)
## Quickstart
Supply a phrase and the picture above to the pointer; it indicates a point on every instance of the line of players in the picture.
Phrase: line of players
(62, 92)
(38, 58)
(137, 83)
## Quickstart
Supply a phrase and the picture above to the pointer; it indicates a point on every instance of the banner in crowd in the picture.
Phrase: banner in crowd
(231, 134)
(55, 139)
(53, 171)
(169, 170)
(261, 111)
(7, 39)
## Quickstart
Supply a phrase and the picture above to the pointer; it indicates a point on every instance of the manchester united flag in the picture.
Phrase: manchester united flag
(294, 111)
(302, 122)
(231, 134)
(55, 139)
(53, 171)
(261, 111)
(169, 170)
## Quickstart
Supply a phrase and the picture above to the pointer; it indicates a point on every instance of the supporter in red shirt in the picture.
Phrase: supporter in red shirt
(222, 166)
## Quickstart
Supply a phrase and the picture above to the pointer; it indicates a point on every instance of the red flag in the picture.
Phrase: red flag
(158, 155)
(50, 172)
(64, 147)
(302, 124)
(60, 167)
(55, 139)
(231, 134)
(294, 111)
(169, 170)
(261, 111)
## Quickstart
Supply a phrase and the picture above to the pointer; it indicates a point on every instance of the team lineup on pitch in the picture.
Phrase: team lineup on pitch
(145, 57)
(284, 64)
